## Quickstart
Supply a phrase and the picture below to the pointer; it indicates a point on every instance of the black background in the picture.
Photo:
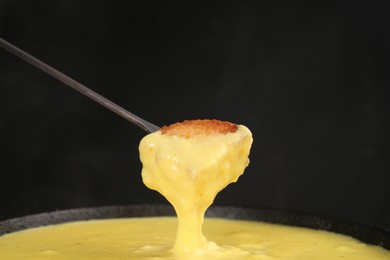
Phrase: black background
(311, 80)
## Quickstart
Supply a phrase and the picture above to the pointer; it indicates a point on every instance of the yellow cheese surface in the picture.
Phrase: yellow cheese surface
(153, 238)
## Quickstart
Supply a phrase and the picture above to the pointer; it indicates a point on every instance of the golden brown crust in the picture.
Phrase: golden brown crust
(199, 128)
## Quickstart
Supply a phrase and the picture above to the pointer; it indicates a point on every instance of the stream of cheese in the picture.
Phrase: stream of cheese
(189, 172)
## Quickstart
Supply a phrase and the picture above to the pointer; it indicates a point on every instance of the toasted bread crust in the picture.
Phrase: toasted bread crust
(199, 128)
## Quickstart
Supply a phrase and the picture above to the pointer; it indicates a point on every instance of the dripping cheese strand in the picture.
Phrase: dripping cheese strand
(189, 163)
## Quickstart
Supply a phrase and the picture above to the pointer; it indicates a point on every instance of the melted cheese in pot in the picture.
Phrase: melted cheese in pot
(189, 172)
(152, 238)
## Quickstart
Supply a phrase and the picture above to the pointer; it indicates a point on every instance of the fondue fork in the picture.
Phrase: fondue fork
(145, 125)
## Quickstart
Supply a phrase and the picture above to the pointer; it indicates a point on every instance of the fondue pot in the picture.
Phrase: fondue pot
(368, 234)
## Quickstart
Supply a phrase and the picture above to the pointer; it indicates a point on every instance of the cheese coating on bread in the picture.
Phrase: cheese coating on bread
(189, 163)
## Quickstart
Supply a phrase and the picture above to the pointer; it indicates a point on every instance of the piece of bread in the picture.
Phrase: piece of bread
(199, 128)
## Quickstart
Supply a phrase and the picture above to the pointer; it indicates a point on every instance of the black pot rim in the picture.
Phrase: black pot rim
(365, 233)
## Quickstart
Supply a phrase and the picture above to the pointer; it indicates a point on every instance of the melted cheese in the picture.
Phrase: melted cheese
(189, 172)
(152, 238)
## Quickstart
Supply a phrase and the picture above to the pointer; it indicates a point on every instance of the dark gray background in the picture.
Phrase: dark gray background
(310, 80)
